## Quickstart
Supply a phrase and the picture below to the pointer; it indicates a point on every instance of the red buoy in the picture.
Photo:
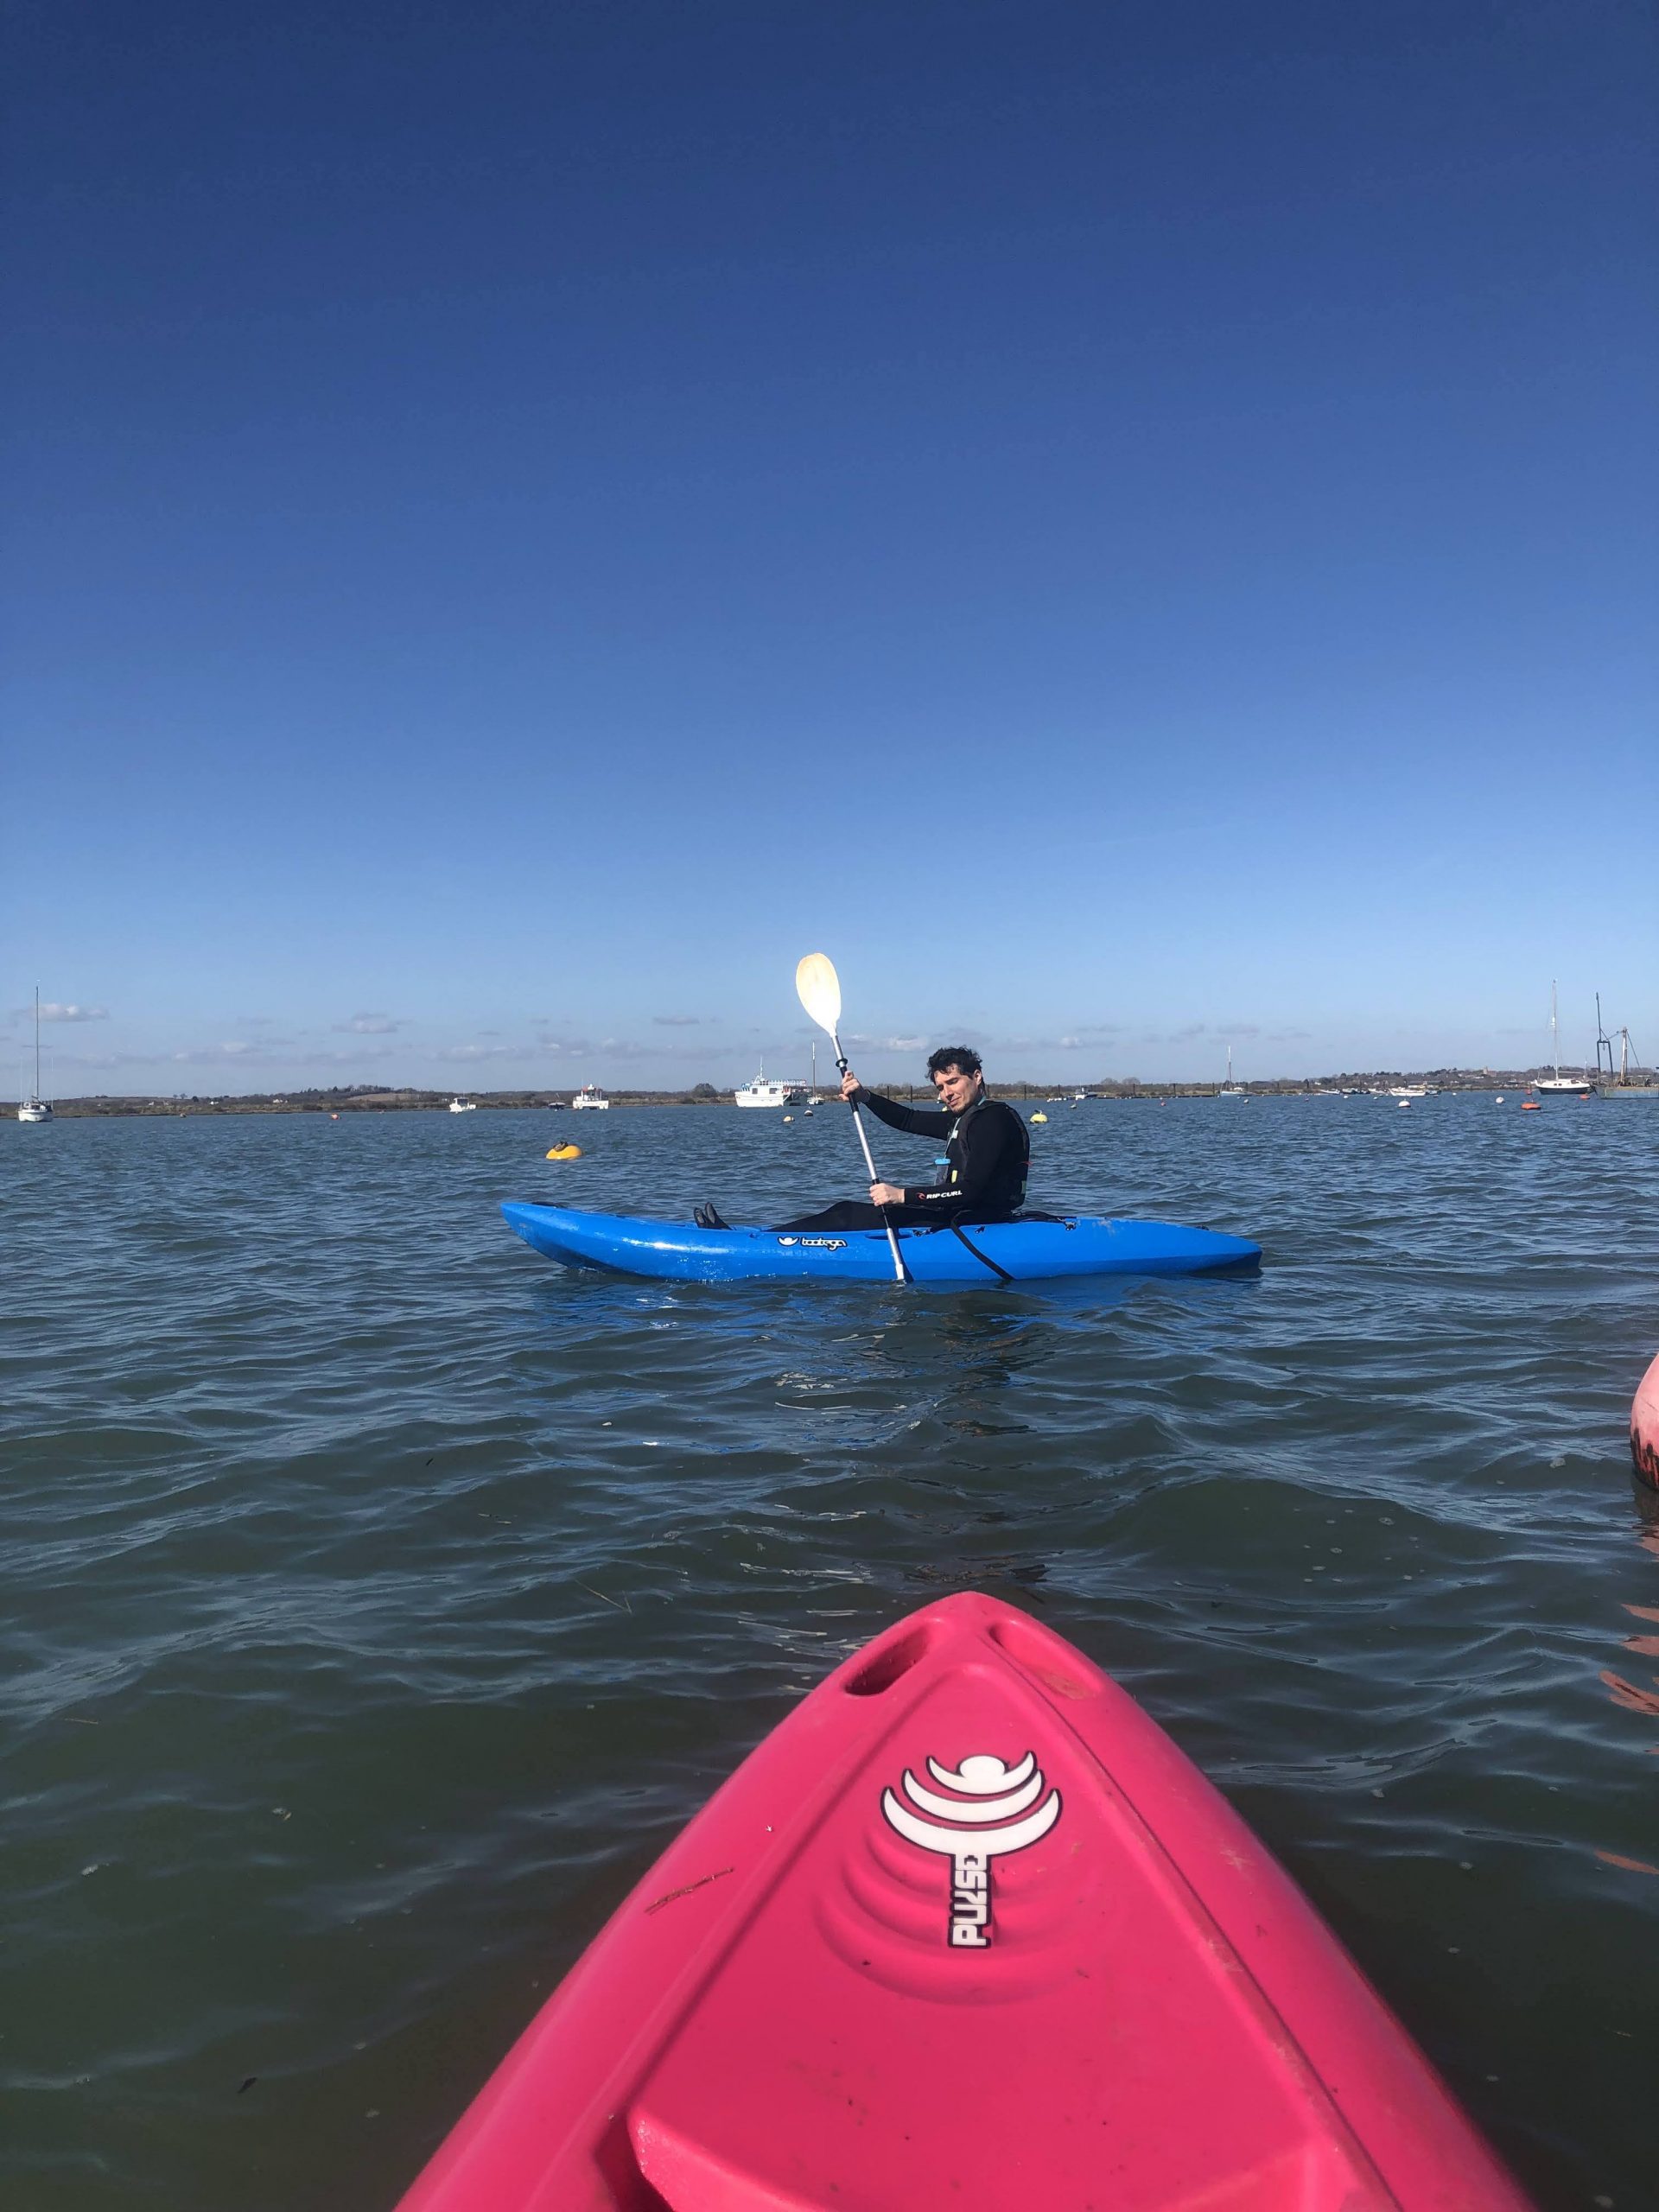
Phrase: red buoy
(1644, 1426)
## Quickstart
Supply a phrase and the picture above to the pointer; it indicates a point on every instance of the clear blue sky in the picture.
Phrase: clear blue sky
(1129, 525)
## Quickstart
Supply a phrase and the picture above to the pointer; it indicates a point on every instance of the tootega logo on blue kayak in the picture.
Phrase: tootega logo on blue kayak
(817, 1244)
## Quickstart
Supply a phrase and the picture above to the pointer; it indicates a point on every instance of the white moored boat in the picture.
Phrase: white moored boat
(459, 1105)
(590, 1095)
(35, 1108)
(1230, 1089)
(762, 1093)
(1558, 1086)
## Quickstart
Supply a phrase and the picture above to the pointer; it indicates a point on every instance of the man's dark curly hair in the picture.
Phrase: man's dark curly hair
(953, 1056)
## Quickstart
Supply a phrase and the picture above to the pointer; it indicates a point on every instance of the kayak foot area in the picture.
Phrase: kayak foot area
(1006, 1251)
(968, 1929)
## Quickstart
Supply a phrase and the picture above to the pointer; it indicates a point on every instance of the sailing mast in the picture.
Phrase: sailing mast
(34, 1109)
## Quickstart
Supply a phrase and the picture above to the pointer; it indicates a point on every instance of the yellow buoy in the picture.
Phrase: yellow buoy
(1039, 1117)
(565, 1152)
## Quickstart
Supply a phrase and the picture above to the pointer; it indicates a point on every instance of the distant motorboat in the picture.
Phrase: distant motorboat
(1408, 1090)
(590, 1095)
(459, 1105)
(762, 1093)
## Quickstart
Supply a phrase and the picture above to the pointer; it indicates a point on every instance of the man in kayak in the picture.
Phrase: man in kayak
(987, 1156)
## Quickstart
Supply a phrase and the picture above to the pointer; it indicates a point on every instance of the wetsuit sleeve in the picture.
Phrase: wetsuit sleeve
(992, 1145)
(919, 1121)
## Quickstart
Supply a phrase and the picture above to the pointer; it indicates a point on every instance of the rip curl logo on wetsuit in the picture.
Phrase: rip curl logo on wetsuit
(987, 1792)
(817, 1244)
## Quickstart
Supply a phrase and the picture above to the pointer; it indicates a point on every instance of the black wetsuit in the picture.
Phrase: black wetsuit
(988, 1157)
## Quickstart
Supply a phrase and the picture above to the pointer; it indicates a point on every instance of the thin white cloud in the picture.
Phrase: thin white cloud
(369, 1024)
(232, 1052)
(54, 1010)
(677, 1021)
(624, 1048)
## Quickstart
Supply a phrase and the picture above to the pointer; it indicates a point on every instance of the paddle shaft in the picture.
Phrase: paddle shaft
(858, 1123)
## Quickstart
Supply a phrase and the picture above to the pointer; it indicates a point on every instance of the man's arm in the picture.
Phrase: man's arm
(921, 1121)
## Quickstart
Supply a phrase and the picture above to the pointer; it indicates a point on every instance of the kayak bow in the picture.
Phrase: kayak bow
(967, 1930)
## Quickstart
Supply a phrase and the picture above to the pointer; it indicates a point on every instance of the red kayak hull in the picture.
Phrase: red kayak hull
(968, 1929)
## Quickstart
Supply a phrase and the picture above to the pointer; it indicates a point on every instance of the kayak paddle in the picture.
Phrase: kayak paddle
(819, 987)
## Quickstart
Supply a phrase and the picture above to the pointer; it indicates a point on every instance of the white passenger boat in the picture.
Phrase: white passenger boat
(590, 1095)
(459, 1105)
(762, 1093)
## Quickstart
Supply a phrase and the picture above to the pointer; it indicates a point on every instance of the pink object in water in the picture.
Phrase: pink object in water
(1644, 1426)
(967, 1931)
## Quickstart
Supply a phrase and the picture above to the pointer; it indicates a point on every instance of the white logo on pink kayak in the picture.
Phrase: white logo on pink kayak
(987, 1792)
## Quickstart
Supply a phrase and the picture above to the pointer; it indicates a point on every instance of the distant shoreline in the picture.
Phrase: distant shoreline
(359, 1099)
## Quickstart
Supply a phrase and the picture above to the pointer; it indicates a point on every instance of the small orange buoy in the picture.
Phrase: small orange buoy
(565, 1152)
(1530, 1106)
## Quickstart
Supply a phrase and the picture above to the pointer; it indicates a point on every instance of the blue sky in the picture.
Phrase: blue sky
(1129, 526)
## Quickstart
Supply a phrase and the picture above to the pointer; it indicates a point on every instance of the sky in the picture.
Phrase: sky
(1130, 526)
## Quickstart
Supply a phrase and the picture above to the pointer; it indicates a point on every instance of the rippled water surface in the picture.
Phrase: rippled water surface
(380, 1599)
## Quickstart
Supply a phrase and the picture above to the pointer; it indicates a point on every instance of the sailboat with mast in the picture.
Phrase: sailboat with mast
(1558, 1086)
(1230, 1089)
(35, 1108)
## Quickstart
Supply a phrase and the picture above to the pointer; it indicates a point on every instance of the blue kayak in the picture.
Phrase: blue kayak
(1016, 1251)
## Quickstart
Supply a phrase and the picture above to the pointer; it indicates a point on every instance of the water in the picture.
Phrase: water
(378, 1599)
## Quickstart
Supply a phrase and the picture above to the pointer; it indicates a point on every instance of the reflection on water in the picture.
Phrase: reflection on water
(380, 1598)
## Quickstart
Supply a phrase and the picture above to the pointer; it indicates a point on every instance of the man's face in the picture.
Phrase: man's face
(957, 1091)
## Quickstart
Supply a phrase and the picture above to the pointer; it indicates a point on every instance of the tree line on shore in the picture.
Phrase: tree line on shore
(380, 1098)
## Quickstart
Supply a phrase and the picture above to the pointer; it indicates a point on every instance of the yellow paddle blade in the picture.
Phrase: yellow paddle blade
(819, 987)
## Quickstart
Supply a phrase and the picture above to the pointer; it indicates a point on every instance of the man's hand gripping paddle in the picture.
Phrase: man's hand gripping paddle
(819, 987)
